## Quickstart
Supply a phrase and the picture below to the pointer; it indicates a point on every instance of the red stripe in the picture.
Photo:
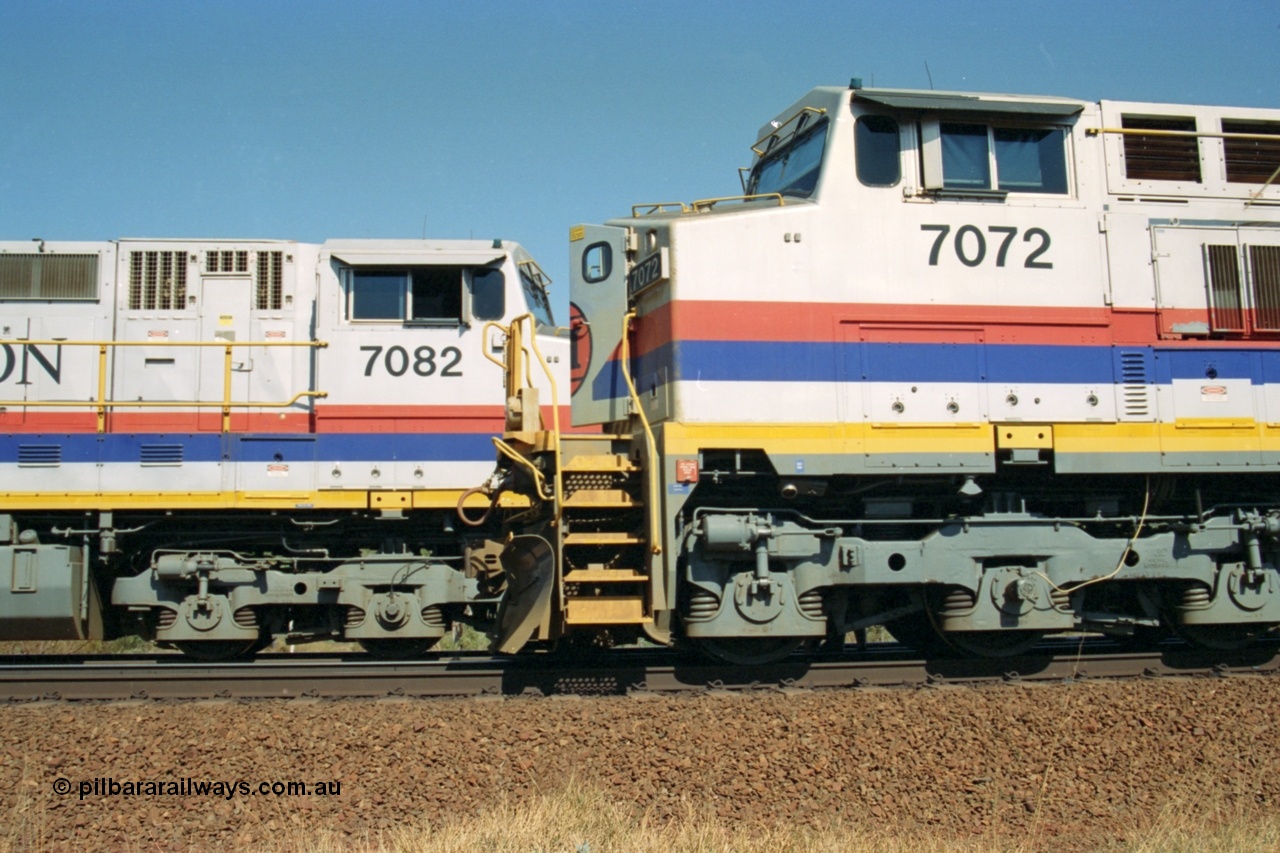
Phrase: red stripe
(487, 420)
(409, 419)
(31, 420)
(825, 322)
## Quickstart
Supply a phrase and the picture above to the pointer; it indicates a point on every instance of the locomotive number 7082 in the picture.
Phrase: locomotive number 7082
(398, 361)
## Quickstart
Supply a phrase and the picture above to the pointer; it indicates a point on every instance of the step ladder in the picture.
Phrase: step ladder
(603, 545)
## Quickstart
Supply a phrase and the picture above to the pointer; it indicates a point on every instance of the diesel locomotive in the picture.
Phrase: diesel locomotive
(978, 368)
(210, 443)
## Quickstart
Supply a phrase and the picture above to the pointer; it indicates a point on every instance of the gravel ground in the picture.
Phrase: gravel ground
(1087, 762)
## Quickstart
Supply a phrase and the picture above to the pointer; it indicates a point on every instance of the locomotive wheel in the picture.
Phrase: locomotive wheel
(749, 651)
(915, 630)
(400, 648)
(994, 644)
(1145, 638)
(1222, 638)
(212, 651)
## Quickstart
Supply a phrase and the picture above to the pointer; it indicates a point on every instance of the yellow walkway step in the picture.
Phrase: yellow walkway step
(602, 575)
(606, 610)
(609, 462)
(594, 498)
(603, 537)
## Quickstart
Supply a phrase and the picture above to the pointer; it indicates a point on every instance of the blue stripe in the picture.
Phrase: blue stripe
(765, 361)
(327, 447)
(1209, 364)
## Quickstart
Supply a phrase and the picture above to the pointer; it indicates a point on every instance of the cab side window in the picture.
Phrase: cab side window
(436, 294)
(971, 157)
(878, 155)
(427, 294)
(488, 294)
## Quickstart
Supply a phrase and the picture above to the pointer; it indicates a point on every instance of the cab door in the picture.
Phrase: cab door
(224, 318)
(598, 302)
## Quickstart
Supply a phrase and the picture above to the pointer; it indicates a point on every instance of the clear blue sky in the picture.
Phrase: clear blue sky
(310, 120)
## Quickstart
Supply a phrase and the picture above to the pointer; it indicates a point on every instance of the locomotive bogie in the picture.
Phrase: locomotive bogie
(213, 596)
(987, 573)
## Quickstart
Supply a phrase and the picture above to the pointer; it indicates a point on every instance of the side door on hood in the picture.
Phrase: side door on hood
(598, 303)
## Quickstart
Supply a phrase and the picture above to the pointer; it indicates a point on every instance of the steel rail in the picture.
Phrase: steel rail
(614, 673)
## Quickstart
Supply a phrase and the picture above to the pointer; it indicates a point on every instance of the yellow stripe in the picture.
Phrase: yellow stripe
(1184, 436)
(687, 439)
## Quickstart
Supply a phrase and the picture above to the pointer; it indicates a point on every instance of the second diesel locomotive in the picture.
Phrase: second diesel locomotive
(979, 368)
(214, 442)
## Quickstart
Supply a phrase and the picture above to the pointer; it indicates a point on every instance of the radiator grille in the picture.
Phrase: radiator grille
(160, 454)
(1264, 270)
(39, 455)
(54, 277)
(157, 281)
(226, 260)
(1135, 382)
(1251, 161)
(270, 288)
(1161, 158)
(1226, 314)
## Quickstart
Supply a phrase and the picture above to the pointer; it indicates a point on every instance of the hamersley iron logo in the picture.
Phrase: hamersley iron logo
(579, 347)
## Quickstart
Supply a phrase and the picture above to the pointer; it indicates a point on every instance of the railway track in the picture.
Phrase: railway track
(124, 677)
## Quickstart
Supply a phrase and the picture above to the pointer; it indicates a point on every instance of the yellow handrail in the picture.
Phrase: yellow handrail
(509, 452)
(555, 409)
(624, 357)
(650, 208)
(226, 404)
(1212, 134)
(777, 129)
(518, 374)
(708, 203)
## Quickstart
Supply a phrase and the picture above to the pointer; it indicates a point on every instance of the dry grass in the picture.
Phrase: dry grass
(584, 820)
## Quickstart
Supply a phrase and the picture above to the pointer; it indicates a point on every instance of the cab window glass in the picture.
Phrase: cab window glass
(436, 294)
(877, 152)
(418, 295)
(597, 262)
(488, 296)
(1030, 160)
(966, 162)
(536, 300)
(377, 295)
(985, 158)
(793, 168)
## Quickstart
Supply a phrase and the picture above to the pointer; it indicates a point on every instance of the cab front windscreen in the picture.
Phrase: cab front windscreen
(792, 168)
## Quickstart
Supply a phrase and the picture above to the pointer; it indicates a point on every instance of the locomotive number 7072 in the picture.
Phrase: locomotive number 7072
(422, 360)
(971, 245)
